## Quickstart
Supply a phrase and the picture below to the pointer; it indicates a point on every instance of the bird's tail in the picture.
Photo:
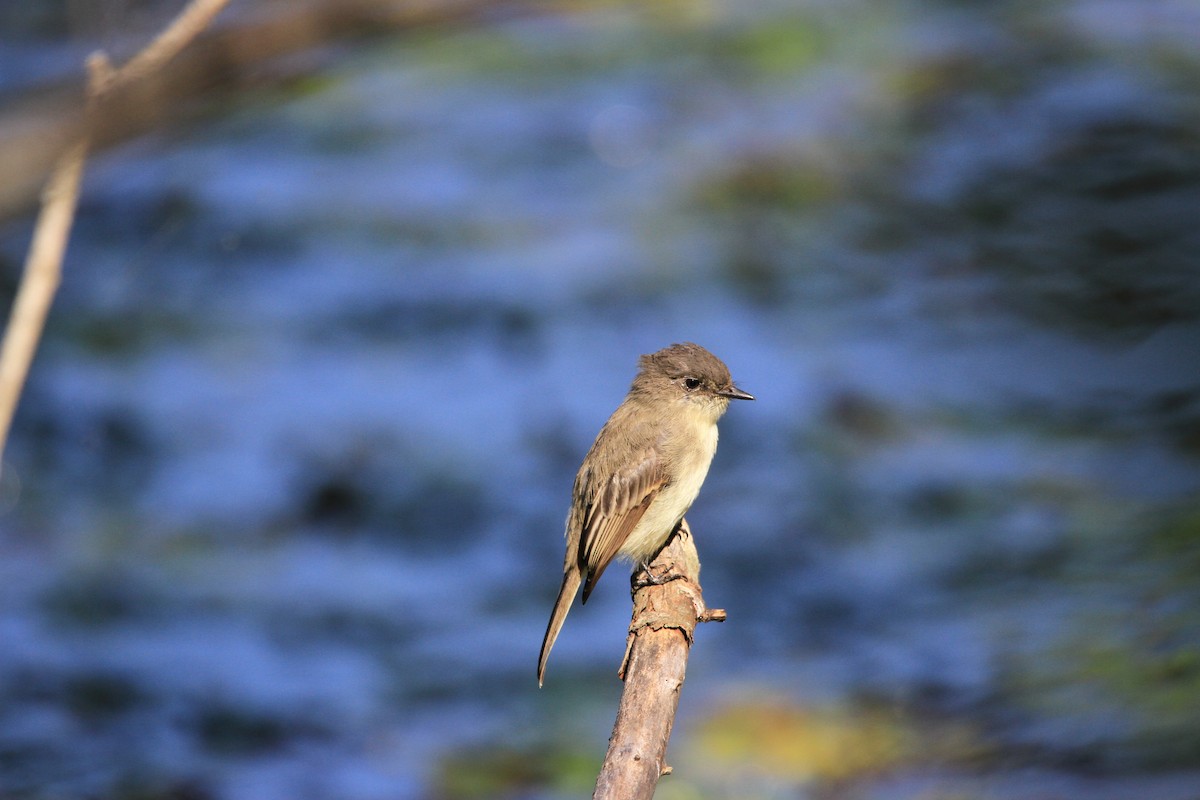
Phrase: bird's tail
(566, 595)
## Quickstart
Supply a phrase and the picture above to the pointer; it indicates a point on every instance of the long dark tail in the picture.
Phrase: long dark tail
(566, 595)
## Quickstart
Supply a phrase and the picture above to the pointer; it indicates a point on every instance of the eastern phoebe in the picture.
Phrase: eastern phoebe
(644, 469)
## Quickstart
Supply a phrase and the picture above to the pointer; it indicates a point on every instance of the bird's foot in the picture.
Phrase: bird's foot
(646, 577)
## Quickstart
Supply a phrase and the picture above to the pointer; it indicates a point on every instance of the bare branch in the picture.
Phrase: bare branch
(43, 265)
(43, 272)
(667, 605)
(183, 29)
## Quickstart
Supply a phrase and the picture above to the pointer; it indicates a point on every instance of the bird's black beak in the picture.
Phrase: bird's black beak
(735, 393)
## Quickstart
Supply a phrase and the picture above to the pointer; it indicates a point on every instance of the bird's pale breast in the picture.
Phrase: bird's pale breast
(691, 452)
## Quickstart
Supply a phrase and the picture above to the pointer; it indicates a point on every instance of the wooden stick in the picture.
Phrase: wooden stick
(43, 272)
(43, 264)
(256, 52)
(666, 609)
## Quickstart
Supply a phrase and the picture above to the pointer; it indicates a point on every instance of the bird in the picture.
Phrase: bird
(643, 471)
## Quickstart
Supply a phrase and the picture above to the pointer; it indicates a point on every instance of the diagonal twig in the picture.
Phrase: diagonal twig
(52, 231)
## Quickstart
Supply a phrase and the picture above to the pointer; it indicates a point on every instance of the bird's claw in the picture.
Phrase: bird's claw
(645, 577)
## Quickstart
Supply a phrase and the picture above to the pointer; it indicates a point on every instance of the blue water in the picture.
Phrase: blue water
(283, 505)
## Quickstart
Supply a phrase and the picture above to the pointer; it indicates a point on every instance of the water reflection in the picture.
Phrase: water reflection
(293, 465)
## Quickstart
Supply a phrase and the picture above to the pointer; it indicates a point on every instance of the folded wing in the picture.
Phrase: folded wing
(616, 508)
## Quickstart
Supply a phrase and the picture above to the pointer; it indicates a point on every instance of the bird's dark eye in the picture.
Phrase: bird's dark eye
(691, 383)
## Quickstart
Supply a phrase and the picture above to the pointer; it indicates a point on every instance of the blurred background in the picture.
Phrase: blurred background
(354, 286)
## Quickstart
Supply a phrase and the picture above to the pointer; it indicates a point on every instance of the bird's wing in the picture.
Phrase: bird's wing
(615, 510)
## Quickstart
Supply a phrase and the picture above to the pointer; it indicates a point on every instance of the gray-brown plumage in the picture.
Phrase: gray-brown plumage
(643, 471)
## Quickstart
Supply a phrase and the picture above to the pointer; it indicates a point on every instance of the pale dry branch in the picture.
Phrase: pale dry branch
(43, 271)
(52, 231)
(257, 51)
(194, 18)
(665, 614)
